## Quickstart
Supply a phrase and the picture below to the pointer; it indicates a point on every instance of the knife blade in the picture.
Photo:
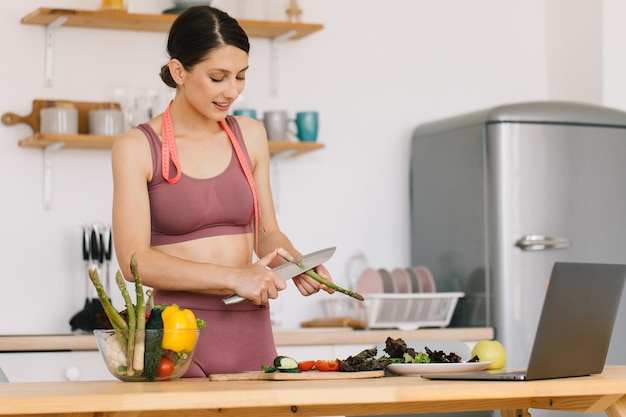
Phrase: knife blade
(289, 270)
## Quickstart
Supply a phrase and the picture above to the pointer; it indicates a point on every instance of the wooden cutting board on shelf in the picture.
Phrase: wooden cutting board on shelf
(303, 376)
(33, 119)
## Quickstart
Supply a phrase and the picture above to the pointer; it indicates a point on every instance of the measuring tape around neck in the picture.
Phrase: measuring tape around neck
(169, 153)
(168, 147)
(248, 173)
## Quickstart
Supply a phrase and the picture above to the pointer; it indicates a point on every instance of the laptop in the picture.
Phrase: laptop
(575, 326)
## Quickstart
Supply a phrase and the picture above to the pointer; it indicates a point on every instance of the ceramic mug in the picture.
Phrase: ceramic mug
(106, 122)
(306, 124)
(275, 124)
(245, 112)
(59, 120)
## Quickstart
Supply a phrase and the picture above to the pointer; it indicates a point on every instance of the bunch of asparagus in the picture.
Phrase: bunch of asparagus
(136, 324)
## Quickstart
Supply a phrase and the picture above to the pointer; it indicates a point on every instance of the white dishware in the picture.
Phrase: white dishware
(106, 122)
(276, 124)
(370, 281)
(417, 369)
(59, 120)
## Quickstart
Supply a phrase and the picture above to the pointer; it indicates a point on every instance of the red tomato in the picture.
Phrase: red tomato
(306, 365)
(166, 367)
(327, 366)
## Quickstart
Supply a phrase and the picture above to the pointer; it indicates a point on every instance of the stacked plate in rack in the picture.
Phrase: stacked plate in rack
(399, 280)
(405, 298)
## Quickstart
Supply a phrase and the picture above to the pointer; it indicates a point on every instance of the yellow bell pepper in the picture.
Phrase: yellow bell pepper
(177, 324)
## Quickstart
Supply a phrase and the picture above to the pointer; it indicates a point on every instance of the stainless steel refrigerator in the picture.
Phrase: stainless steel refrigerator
(499, 195)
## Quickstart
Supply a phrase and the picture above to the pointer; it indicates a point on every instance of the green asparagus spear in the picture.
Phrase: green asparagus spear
(117, 321)
(317, 277)
(132, 322)
(141, 316)
(115, 318)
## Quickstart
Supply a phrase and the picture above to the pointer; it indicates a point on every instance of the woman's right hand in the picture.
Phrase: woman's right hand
(259, 283)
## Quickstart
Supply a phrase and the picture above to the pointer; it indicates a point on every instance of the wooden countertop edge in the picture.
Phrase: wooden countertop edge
(360, 337)
(303, 337)
(389, 395)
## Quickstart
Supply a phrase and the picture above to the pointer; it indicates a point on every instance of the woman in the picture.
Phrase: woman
(192, 199)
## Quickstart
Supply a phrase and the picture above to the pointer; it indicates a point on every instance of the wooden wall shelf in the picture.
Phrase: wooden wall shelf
(297, 148)
(53, 19)
(83, 141)
(43, 140)
(277, 32)
(159, 22)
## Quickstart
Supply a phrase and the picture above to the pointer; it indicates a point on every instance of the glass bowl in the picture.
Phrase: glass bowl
(172, 362)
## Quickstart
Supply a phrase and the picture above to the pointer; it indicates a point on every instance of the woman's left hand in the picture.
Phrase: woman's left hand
(307, 285)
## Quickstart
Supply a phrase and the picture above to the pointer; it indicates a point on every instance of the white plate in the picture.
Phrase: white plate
(428, 281)
(370, 281)
(416, 369)
(402, 280)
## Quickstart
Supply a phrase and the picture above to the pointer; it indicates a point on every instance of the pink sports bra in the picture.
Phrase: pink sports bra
(194, 208)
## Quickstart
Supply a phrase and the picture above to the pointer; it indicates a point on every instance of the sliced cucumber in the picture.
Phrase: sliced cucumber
(286, 364)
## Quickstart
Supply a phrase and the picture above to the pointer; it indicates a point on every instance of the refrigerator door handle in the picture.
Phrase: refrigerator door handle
(540, 242)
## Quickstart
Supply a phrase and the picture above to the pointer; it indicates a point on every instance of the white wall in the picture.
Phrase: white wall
(376, 71)
(574, 50)
(614, 33)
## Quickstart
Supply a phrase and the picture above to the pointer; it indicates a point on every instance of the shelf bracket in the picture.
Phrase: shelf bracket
(274, 58)
(48, 151)
(49, 58)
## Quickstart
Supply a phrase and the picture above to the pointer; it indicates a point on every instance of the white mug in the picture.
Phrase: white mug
(276, 124)
(59, 120)
(106, 122)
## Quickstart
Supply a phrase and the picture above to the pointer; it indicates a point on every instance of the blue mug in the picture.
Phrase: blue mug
(307, 125)
(245, 112)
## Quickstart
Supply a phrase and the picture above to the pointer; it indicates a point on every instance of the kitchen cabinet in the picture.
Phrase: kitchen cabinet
(282, 337)
(54, 366)
(39, 358)
(55, 18)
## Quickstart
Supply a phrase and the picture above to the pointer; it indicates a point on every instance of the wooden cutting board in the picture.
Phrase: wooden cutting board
(33, 119)
(335, 322)
(303, 376)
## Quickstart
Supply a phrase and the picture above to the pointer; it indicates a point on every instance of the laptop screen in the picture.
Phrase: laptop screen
(576, 321)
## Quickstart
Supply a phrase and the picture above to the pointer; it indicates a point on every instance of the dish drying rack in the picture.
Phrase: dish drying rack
(404, 311)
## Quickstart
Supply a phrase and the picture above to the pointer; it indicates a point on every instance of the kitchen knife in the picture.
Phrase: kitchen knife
(95, 255)
(289, 270)
(107, 249)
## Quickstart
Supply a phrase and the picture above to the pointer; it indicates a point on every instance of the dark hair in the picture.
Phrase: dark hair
(196, 32)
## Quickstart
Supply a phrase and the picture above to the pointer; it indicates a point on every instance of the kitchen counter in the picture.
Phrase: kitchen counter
(348, 397)
(299, 337)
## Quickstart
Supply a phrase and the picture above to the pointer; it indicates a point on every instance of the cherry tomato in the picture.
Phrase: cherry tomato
(306, 365)
(166, 367)
(327, 366)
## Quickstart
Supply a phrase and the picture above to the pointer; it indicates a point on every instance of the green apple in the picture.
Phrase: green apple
(490, 351)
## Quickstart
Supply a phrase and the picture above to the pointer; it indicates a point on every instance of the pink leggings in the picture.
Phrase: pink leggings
(237, 338)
